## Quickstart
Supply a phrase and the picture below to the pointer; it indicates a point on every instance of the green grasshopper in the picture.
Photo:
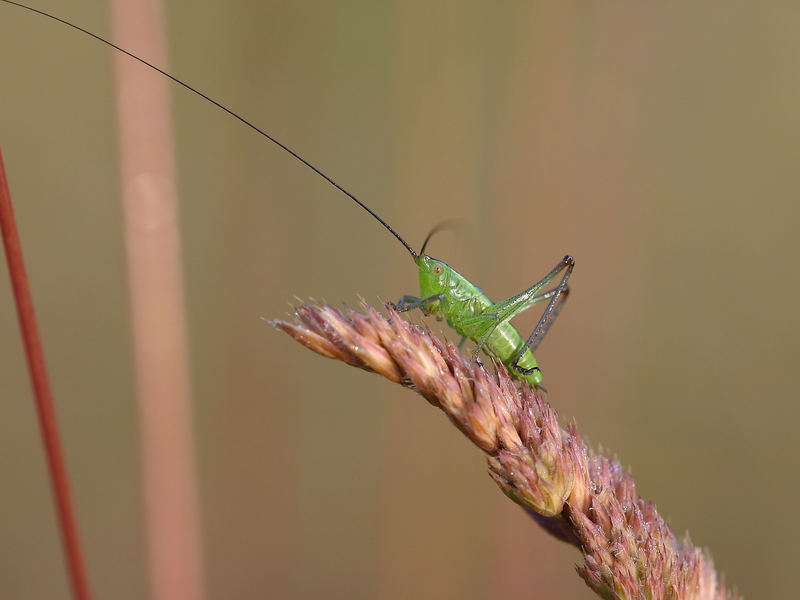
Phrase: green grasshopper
(443, 291)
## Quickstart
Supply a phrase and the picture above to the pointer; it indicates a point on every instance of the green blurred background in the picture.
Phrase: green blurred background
(656, 143)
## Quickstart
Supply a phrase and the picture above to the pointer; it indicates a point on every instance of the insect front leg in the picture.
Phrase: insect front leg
(407, 303)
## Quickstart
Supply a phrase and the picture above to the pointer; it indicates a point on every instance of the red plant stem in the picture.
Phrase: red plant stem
(42, 394)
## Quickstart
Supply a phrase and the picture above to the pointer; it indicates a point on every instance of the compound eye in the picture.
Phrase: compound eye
(437, 270)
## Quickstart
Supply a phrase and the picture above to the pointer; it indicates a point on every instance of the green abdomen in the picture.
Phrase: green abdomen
(503, 345)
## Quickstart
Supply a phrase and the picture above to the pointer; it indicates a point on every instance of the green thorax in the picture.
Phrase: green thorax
(463, 301)
(462, 298)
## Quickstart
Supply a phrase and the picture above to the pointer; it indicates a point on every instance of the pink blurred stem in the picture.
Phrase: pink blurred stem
(153, 244)
(43, 396)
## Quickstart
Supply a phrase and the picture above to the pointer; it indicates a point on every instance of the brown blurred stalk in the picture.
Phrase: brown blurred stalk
(152, 240)
(580, 496)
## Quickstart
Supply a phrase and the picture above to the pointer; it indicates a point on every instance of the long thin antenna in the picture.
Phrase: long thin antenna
(223, 107)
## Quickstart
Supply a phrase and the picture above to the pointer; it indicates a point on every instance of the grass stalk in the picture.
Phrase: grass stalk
(158, 319)
(48, 423)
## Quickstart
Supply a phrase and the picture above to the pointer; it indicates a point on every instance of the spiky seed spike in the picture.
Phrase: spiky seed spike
(580, 496)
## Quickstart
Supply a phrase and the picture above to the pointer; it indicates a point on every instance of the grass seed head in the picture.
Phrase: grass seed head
(580, 496)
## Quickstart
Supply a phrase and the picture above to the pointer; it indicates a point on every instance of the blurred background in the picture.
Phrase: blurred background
(656, 143)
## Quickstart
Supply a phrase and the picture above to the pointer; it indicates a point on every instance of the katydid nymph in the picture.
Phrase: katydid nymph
(444, 292)
(470, 312)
